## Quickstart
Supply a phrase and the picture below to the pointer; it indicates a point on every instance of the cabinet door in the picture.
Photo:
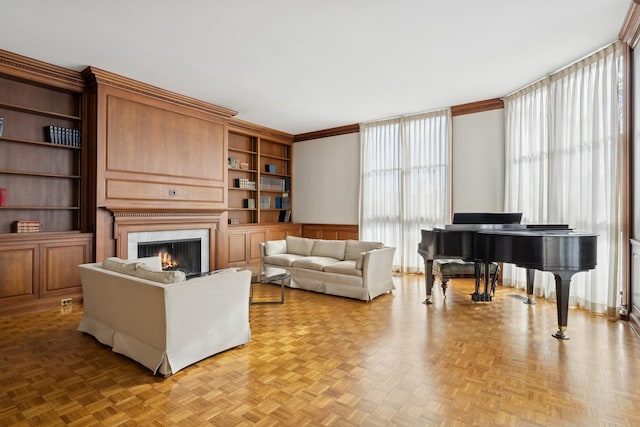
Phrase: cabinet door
(60, 262)
(256, 237)
(19, 267)
(238, 248)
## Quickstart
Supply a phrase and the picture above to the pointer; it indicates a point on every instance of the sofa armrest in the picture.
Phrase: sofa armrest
(377, 269)
(205, 313)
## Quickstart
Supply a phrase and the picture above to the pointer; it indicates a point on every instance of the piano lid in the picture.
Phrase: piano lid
(487, 217)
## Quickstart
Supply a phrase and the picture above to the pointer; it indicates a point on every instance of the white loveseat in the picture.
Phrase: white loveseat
(160, 320)
(347, 268)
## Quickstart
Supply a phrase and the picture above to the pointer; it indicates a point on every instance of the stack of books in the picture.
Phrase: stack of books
(63, 136)
(265, 202)
(245, 184)
(27, 226)
(272, 184)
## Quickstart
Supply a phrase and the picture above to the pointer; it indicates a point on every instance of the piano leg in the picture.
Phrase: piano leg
(563, 280)
(476, 295)
(428, 277)
(487, 277)
(531, 274)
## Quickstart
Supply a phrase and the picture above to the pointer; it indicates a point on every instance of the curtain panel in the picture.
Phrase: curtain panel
(564, 139)
(405, 183)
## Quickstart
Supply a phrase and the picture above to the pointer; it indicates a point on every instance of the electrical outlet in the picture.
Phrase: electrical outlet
(65, 301)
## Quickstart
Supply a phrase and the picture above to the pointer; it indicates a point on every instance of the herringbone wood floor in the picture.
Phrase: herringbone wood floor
(329, 361)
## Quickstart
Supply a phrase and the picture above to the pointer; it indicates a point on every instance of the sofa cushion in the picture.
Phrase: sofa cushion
(353, 248)
(329, 248)
(120, 265)
(299, 245)
(343, 267)
(284, 260)
(153, 262)
(360, 261)
(273, 247)
(314, 262)
(166, 277)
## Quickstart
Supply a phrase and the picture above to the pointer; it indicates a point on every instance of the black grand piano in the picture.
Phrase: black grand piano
(483, 238)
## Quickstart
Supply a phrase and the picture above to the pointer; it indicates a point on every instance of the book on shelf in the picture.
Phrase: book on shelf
(63, 136)
(27, 226)
(285, 216)
(265, 202)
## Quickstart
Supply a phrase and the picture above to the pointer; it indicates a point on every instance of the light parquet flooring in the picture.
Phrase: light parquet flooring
(320, 360)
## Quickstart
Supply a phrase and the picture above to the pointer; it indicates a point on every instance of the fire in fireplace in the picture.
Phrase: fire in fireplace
(183, 255)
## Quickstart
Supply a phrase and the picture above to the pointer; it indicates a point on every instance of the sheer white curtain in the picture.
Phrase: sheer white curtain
(564, 139)
(405, 183)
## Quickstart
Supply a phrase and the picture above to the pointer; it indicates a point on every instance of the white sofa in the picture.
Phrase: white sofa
(347, 268)
(160, 320)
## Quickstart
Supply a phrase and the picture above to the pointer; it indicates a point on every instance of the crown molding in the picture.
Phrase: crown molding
(630, 31)
(341, 130)
(42, 72)
(477, 107)
(95, 76)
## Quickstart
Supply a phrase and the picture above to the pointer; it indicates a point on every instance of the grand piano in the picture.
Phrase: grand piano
(483, 238)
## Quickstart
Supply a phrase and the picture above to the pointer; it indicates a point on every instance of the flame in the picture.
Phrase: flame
(167, 261)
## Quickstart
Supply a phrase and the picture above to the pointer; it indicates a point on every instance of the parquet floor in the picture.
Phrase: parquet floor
(326, 361)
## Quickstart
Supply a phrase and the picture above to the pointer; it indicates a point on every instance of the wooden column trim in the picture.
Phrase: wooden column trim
(630, 31)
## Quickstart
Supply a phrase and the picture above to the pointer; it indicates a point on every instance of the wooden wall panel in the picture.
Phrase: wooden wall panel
(60, 261)
(153, 154)
(255, 238)
(17, 267)
(147, 139)
(237, 247)
(330, 231)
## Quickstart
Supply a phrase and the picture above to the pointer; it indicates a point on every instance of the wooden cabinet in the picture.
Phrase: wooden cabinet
(39, 269)
(41, 173)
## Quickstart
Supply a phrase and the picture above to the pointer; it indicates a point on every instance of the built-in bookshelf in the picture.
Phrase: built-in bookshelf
(259, 173)
(41, 240)
(39, 172)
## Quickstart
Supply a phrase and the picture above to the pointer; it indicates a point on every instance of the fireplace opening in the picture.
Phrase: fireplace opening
(183, 255)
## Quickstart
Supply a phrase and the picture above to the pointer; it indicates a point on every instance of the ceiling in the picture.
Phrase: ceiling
(300, 66)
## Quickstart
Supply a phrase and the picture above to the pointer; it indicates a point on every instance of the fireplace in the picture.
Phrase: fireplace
(182, 255)
(185, 250)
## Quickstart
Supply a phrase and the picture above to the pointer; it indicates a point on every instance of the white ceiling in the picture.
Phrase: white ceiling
(302, 65)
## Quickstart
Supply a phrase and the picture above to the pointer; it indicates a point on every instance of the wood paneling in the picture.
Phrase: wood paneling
(242, 243)
(154, 153)
(38, 269)
(60, 261)
(237, 248)
(17, 267)
(330, 231)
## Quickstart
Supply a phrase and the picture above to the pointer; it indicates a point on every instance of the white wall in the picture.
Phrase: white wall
(327, 171)
(478, 162)
(326, 180)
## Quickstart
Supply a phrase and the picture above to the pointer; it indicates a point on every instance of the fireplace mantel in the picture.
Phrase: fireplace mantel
(135, 221)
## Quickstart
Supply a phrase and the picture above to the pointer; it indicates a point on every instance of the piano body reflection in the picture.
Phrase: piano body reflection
(546, 247)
